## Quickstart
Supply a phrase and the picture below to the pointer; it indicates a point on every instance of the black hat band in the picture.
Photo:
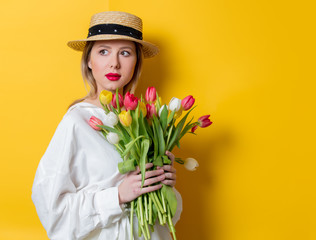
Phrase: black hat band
(115, 29)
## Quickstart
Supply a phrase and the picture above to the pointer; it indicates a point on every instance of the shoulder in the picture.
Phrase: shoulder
(78, 115)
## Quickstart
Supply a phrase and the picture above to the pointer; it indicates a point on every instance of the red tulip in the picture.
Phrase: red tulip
(194, 128)
(204, 121)
(130, 101)
(151, 110)
(151, 94)
(121, 101)
(187, 102)
(93, 122)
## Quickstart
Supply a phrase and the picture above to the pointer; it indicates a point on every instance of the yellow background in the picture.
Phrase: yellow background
(250, 64)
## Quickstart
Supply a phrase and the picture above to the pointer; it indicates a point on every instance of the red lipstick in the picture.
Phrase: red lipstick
(113, 76)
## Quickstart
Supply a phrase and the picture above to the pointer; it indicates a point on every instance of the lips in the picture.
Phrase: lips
(113, 76)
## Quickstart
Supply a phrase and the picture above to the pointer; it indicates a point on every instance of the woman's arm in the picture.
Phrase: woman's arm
(69, 203)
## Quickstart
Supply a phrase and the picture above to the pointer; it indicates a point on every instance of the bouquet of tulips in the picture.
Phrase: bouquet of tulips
(142, 130)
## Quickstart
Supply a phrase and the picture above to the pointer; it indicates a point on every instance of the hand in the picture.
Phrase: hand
(130, 188)
(170, 171)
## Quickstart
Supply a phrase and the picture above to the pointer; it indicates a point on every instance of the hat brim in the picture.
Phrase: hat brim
(149, 49)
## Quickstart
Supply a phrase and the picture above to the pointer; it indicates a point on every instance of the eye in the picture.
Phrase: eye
(125, 53)
(103, 52)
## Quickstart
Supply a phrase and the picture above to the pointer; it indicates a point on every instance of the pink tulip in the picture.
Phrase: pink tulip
(187, 102)
(130, 101)
(151, 110)
(151, 94)
(93, 122)
(121, 101)
(204, 121)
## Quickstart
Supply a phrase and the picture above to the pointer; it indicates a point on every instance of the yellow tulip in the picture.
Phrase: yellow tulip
(105, 97)
(142, 108)
(125, 118)
(178, 113)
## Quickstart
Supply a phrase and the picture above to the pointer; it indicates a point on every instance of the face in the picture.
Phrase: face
(112, 63)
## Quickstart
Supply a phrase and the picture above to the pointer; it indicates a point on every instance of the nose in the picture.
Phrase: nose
(114, 61)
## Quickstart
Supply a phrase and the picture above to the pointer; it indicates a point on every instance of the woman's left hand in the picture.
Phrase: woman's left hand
(170, 171)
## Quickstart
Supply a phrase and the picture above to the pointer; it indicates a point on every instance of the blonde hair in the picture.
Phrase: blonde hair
(88, 76)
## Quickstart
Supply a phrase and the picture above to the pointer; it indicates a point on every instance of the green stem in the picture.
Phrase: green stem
(163, 202)
(155, 202)
(173, 230)
(150, 210)
(131, 219)
(146, 207)
(158, 202)
(140, 208)
(160, 218)
(169, 134)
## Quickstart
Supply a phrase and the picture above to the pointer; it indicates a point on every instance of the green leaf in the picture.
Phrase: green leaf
(117, 101)
(134, 125)
(114, 110)
(158, 161)
(170, 196)
(170, 118)
(130, 145)
(166, 160)
(161, 140)
(110, 129)
(143, 158)
(126, 166)
(176, 135)
(164, 117)
(142, 127)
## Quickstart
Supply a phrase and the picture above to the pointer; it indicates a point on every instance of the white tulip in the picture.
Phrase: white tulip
(113, 138)
(191, 164)
(175, 104)
(111, 119)
(160, 110)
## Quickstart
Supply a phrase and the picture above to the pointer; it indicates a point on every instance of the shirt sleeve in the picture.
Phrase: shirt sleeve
(65, 211)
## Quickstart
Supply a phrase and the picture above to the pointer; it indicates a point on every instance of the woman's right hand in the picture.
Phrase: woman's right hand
(130, 188)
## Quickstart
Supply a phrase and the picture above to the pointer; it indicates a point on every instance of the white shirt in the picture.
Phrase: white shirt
(75, 190)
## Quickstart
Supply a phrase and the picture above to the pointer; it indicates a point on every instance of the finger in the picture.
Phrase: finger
(169, 168)
(171, 156)
(171, 176)
(150, 188)
(150, 174)
(151, 181)
(169, 182)
(147, 166)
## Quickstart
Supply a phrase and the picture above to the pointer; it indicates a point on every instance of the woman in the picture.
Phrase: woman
(78, 191)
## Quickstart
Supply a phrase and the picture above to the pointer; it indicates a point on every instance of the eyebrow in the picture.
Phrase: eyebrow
(106, 46)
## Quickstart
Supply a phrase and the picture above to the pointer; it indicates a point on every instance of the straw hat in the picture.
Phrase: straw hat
(116, 25)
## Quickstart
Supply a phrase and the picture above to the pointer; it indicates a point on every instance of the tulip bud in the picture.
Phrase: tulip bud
(151, 110)
(191, 164)
(93, 122)
(151, 94)
(175, 104)
(111, 119)
(187, 102)
(143, 108)
(125, 118)
(194, 128)
(130, 101)
(105, 97)
(204, 121)
(121, 101)
(113, 138)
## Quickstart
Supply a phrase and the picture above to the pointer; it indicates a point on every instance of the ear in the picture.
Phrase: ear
(89, 64)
